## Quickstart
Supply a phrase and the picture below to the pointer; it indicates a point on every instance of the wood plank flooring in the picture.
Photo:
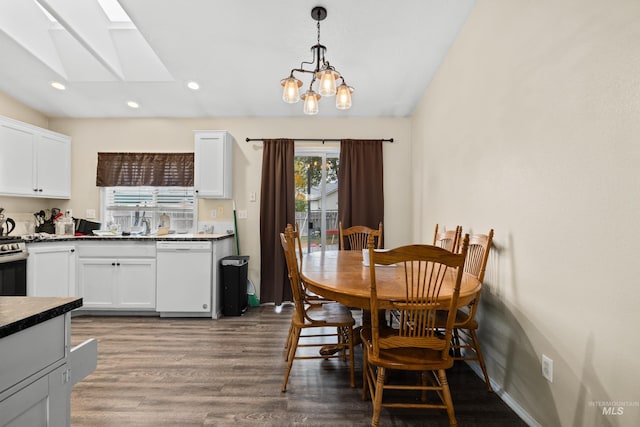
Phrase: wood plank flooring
(202, 372)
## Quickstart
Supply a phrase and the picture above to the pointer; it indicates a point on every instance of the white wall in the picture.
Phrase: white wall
(89, 136)
(532, 127)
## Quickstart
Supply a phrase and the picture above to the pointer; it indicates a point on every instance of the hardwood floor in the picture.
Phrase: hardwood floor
(203, 372)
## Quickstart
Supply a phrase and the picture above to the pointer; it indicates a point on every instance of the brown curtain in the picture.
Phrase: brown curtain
(145, 169)
(277, 209)
(360, 189)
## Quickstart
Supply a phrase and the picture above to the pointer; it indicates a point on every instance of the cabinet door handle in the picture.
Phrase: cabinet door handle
(113, 264)
(72, 250)
(40, 190)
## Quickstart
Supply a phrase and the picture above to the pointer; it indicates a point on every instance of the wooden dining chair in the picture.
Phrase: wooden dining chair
(305, 317)
(465, 342)
(417, 345)
(355, 238)
(447, 239)
(309, 297)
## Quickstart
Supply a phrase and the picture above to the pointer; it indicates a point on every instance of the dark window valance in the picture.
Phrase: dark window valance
(145, 169)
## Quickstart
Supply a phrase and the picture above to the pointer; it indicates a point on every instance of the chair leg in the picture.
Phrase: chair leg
(446, 395)
(365, 374)
(291, 356)
(377, 400)
(456, 343)
(476, 347)
(351, 358)
(287, 343)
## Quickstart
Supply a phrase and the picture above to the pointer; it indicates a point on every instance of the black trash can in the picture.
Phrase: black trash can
(234, 284)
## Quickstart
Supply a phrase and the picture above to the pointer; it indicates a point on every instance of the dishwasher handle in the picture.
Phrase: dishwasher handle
(200, 246)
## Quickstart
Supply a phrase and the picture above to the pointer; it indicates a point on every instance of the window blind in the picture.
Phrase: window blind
(145, 169)
(162, 198)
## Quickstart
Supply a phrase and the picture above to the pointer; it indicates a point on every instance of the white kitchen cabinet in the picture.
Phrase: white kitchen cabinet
(34, 162)
(213, 164)
(17, 152)
(51, 270)
(117, 276)
(117, 283)
(38, 372)
(53, 165)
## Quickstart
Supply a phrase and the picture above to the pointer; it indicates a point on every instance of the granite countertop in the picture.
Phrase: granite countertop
(166, 237)
(19, 313)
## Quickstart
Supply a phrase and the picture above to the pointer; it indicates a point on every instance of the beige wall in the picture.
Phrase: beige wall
(532, 127)
(89, 136)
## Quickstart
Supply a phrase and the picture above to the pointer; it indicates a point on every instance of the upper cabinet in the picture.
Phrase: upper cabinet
(34, 162)
(213, 164)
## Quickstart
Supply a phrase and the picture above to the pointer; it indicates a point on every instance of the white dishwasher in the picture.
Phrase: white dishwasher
(184, 278)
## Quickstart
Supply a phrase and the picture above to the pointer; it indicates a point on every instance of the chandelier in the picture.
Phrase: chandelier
(323, 72)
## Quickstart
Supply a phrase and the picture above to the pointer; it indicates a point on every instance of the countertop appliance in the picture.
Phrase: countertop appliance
(13, 266)
(184, 278)
(7, 225)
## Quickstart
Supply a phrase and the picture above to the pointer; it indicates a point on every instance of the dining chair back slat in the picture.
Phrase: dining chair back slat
(447, 239)
(355, 238)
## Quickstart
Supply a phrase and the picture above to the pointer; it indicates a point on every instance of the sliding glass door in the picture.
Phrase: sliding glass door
(316, 198)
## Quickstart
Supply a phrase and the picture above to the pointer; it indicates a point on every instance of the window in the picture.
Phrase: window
(316, 183)
(153, 188)
(175, 207)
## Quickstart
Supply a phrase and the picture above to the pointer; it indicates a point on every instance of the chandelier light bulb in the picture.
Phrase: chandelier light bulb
(327, 82)
(290, 93)
(311, 102)
(343, 97)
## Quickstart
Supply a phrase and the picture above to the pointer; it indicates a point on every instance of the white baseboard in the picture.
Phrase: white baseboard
(504, 396)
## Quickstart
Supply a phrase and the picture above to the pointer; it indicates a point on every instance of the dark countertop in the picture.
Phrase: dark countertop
(19, 313)
(167, 237)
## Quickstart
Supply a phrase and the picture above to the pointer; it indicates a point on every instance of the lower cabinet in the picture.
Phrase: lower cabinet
(117, 276)
(181, 278)
(38, 372)
(51, 270)
(117, 282)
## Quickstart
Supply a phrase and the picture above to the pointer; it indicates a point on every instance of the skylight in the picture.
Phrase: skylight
(111, 8)
(114, 11)
(46, 13)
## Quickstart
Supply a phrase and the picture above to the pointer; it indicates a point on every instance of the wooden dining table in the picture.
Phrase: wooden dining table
(341, 276)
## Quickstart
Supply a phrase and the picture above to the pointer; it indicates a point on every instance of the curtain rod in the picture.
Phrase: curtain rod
(323, 140)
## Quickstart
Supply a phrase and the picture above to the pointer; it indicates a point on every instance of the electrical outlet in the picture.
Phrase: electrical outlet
(214, 213)
(242, 214)
(220, 211)
(547, 368)
(91, 213)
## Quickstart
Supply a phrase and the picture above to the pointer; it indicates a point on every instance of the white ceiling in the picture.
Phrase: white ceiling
(237, 50)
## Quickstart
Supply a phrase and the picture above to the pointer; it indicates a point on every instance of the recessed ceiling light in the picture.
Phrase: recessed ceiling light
(133, 104)
(193, 85)
(58, 85)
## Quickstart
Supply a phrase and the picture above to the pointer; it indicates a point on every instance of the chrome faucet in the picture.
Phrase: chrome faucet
(147, 227)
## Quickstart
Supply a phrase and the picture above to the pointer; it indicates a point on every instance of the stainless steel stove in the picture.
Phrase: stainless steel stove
(13, 266)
